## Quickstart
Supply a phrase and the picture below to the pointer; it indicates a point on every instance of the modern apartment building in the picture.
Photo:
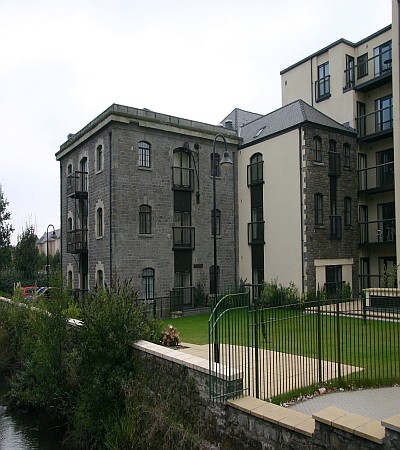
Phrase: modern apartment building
(352, 83)
(297, 199)
(137, 204)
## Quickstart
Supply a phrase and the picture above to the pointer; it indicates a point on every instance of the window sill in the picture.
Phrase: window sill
(148, 169)
(323, 98)
(347, 168)
(146, 236)
(321, 164)
(319, 227)
(99, 238)
(218, 236)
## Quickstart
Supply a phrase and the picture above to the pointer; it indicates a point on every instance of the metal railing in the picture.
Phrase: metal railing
(377, 177)
(77, 241)
(377, 231)
(183, 178)
(255, 232)
(77, 183)
(377, 122)
(181, 298)
(369, 70)
(302, 346)
(323, 87)
(255, 173)
(183, 237)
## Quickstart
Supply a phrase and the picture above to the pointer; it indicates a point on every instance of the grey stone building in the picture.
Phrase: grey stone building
(137, 204)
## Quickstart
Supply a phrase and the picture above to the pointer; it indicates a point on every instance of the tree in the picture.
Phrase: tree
(26, 254)
(6, 231)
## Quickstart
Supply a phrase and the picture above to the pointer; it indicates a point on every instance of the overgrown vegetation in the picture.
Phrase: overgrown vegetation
(88, 376)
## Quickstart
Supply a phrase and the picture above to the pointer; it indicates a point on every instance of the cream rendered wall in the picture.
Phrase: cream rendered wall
(299, 82)
(296, 84)
(396, 116)
(282, 209)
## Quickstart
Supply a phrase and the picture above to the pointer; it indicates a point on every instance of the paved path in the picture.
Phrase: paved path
(374, 403)
(274, 380)
(378, 404)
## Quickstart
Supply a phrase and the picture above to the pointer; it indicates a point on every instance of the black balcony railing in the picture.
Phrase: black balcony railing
(323, 88)
(377, 178)
(255, 232)
(376, 123)
(77, 241)
(181, 298)
(370, 73)
(335, 227)
(183, 178)
(377, 231)
(334, 164)
(184, 238)
(77, 184)
(255, 173)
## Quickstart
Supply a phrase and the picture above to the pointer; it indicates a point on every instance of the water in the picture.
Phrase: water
(27, 431)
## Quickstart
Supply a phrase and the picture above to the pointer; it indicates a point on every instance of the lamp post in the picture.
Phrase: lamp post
(53, 235)
(225, 161)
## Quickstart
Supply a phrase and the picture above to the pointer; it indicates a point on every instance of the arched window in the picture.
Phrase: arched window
(347, 210)
(144, 219)
(69, 169)
(255, 170)
(317, 149)
(318, 209)
(215, 165)
(148, 283)
(99, 158)
(99, 222)
(217, 222)
(100, 278)
(144, 154)
(70, 224)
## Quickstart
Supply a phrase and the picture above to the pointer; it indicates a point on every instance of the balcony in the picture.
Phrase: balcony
(376, 125)
(181, 298)
(369, 74)
(184, 238)
(334, 164)
(255, 173)
(377, 232)
(77, 241)
(376, 179)
(322, 88)
(335, 227)
(255, 232)
(77, 185)
(183, 178)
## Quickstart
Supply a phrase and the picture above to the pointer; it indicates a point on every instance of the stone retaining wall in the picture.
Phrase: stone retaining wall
(251, 423)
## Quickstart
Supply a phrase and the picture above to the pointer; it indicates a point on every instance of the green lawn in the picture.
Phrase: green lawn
(373, 345)
(192, 329)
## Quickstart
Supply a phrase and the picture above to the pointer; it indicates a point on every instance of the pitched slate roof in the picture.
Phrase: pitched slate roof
(285, 118)
(239, 117)
(43, 239)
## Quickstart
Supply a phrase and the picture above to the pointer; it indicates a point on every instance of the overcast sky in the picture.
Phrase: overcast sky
(64, 62)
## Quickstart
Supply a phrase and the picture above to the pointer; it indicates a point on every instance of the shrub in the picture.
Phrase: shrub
(170, 337)
(274, 294)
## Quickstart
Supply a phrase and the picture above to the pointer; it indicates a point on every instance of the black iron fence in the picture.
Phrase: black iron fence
(287, 348)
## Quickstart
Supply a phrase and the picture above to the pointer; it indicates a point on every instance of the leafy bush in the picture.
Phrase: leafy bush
(274, 294)
(170, 337)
